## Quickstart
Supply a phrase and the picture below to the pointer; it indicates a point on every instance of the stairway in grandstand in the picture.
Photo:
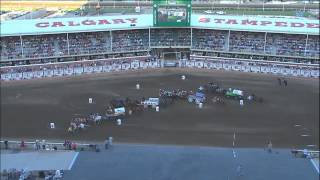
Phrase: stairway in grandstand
(57, 49)
(226, 44)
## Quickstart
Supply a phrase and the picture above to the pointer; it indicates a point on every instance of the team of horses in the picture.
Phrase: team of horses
(135, 106)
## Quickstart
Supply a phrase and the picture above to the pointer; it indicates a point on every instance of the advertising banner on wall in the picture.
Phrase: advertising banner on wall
(38, 74)
(78, 70)
(153, 64)
(68, 71)
(125, 66)
(16, 76)
(6, 76)
(295, 71)
(58, 72)
(28, 75)
(135, 64)
(97, 69)
(265, 69)
(48, 72)
(143, 65)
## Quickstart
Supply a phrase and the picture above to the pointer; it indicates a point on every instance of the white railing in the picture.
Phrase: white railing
(256, 66)
(145, 62)
(76, 68)
(48, 146)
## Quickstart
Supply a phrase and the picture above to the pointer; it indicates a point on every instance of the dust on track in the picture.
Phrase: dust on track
(27, 107)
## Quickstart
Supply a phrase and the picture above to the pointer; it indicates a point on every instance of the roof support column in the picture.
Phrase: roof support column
(149, 38)
(228, 43)
(191, 31)
(68, 44)
(265, 43)
(21, 44)
(305, 48)
(110, 40)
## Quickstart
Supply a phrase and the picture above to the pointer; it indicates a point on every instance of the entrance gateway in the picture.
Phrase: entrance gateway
(172, 57)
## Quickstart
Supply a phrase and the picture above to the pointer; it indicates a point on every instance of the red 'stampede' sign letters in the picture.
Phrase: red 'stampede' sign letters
(247, 22)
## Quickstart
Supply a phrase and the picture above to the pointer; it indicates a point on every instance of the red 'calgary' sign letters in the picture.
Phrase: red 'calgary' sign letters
(87, 22)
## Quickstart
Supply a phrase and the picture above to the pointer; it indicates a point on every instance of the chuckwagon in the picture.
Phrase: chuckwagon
(198, 97)
(234, 93)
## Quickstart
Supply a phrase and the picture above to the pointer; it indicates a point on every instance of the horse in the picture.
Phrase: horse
(217, 100)
(211, 87)
(95, 118)
(220, 91)
(168, 94)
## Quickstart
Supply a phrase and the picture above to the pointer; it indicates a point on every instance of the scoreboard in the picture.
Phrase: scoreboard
(168, 13)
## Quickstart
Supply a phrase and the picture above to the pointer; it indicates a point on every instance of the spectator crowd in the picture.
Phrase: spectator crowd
(85, 43)
(170, 38)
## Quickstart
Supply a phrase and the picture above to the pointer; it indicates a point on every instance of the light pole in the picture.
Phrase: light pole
(212, 1)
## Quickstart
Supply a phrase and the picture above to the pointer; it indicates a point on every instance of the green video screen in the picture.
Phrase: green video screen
(172, 13)
(172, 2)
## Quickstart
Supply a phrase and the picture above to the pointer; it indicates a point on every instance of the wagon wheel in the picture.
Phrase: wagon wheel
(260, 100)
(214, 100)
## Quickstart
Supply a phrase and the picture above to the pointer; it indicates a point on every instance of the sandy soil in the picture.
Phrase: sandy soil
(27, 108)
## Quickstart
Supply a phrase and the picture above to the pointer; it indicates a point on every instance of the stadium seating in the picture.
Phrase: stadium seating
(56, 45)
(130, 40)
(170, 38)
(313, 47)
(89, 43)
(286, 44)
(209, 39)
(44, 46)
(250, 42)
(11, 48)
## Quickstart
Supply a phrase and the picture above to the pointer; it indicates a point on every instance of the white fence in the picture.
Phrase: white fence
(30, 145)
(145, 62)
(77, 68)
(254, 66)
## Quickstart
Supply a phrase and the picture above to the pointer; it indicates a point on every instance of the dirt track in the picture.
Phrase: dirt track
(27, 107)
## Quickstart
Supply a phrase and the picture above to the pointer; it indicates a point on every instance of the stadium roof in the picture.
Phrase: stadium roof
(105, 23)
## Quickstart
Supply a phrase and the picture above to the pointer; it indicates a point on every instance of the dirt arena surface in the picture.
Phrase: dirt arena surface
(27, 108)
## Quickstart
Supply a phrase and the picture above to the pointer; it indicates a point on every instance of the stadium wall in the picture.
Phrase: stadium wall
(147, 62)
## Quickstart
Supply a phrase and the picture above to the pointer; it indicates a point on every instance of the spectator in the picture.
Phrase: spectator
(6, 144)
(37, 145)
(110, 139)
(22, 144)
(43, 144)
(206, 39)
(170, 37)
(73, 146)
(246, 42)
(130, 40)
(269, 147)
(285, 82)
(106, 144)
(286, 44)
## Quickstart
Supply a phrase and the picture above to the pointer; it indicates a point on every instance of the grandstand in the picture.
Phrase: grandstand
(294, 40)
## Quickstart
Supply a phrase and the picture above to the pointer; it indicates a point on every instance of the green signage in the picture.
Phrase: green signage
(171, 13)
